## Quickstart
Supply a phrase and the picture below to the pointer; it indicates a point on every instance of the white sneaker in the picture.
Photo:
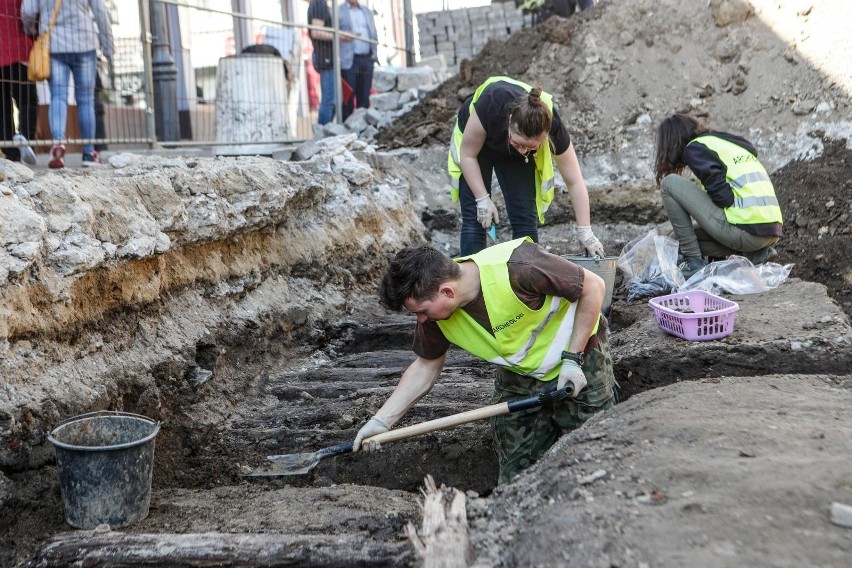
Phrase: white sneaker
(27, 154)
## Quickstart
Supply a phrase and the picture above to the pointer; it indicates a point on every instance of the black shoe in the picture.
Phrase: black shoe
(691, 265)
(768, 254)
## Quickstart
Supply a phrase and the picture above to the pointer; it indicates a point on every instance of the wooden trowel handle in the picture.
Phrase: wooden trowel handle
(440, 423)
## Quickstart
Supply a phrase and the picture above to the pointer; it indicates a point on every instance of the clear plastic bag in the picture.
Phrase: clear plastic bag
(737, 275)
(649, 264)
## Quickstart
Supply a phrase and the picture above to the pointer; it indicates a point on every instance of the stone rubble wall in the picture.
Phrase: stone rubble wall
(461, 34)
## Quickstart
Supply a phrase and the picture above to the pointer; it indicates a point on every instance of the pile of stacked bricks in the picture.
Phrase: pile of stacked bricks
(461, 34)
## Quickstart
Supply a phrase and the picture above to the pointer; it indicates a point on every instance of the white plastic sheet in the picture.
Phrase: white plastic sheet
(737, 275)
(649, 264)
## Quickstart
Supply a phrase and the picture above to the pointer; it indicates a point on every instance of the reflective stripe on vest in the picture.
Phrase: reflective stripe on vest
(754, 196)
(544, 182)
(525, 341)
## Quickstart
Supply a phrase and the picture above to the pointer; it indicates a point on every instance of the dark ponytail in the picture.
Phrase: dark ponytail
(530, 115)
(673, 135)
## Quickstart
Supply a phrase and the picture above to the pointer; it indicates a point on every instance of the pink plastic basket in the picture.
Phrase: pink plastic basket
(695, 315)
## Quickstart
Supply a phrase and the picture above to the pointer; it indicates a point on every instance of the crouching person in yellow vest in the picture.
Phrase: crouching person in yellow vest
(735, 209)
(512, 129)
(533, 314)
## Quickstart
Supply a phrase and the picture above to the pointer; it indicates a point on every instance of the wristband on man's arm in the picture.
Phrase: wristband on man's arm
(578, 358)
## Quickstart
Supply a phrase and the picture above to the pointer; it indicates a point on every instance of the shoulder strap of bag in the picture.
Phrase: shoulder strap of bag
(53, 16)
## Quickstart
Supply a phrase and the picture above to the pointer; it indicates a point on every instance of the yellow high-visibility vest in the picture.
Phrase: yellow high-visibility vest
(526, 341)
(754, 196)
(544, 182)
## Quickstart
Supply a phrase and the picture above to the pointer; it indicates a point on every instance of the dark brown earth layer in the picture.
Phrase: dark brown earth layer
(816, 200)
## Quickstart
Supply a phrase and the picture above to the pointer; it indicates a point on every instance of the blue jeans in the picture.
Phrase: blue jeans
(326, 108)
(83, 66)
(517, 182)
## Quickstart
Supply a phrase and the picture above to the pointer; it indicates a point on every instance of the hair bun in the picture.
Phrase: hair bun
(535, 93)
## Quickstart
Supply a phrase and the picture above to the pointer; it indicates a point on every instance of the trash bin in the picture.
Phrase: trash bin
(105, 463)
(251, 99)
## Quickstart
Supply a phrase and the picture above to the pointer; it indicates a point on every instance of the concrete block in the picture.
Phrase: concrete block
(305, 151)
(373, 116)
(334, 129)
(413, 77)
(369, 133)
(436, 62)
(407, 96)
(384, 79)
(357, 121)
(284, 154)
(384, 102)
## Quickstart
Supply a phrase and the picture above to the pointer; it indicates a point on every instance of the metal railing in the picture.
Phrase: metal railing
(182, 77)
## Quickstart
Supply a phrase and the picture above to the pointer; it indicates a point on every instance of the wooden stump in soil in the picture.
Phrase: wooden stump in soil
(443, 540)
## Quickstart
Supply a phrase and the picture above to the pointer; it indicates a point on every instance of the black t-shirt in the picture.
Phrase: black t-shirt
(493, 108)
(323, 50)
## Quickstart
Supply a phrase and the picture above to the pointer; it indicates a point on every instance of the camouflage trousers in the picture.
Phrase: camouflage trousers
(523, 437)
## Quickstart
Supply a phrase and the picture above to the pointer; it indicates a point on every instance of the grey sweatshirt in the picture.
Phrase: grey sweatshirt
(81, 25)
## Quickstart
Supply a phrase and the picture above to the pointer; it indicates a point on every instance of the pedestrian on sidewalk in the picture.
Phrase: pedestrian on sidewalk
(323, 56)
(533, 314)
(15, 88)
(81, 27)
(514, 130)
(733, 208)
(357, 57)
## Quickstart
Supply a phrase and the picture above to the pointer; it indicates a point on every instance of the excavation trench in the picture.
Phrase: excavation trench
(300, 375)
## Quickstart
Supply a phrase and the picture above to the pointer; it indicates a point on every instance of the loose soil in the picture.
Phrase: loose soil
(816, 200)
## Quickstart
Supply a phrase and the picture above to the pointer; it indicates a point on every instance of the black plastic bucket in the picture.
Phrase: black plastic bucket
(105, 462)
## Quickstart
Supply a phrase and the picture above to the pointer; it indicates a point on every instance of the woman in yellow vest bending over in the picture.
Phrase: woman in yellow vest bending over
(512, 129)
(734, 208)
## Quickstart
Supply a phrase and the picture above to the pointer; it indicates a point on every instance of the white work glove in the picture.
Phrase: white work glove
(486, 212)
(589, 241)
(571, 371)
(373, 426)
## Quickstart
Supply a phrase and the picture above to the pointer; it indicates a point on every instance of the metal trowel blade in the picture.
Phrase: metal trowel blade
(288, 464)
(492, 232)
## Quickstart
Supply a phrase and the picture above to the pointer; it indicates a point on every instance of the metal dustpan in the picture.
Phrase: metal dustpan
(300, 464)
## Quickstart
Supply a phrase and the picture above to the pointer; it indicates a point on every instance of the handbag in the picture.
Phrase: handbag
(38, 65)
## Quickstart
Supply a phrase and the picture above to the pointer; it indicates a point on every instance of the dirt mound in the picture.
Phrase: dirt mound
(762, 68)
(816, 199)
(701, 474)
(432, 120)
